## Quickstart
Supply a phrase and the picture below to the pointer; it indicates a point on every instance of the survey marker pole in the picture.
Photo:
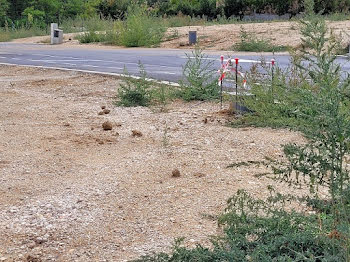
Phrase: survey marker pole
(222, 67)
(236, 59)
(272, 76)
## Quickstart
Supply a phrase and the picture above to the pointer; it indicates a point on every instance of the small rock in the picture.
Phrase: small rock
(66, 124)
(118, 124)
(32, 258)
(107, 125)
(106, 111)
(40, 240)
(136, 133)
(205, 120)
(116, 134)
(99, 141)
(176, 173)
(101, 113)
(199, 175)
(103, 107)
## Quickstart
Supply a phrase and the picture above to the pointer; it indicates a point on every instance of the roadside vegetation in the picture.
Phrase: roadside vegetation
(312, 97)
(143, 22)
(199, 83)
(252, 43)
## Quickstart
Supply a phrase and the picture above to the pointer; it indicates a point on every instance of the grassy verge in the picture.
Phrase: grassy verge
(9, 34)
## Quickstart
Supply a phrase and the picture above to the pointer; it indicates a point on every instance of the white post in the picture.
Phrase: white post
(54, 26)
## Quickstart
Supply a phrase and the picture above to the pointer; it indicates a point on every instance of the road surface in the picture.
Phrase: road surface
(160, 64)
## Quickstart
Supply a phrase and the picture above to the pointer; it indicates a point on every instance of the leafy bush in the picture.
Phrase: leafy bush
(200, 81)
(135, 92)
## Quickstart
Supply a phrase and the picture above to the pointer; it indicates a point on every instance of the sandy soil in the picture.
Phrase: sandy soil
(70, 191)
(223, 37)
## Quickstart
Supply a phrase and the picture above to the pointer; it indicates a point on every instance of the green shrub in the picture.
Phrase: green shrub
(135, 92)
(251, 43)
(141, 28)
(91, 37)
(261, 230)
(200, 79)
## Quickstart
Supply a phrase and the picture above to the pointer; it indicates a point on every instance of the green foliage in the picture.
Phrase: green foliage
(324, 110)
(251, 43)
(135, 92)
(140, 28)
(91, 37)
(200, 82)
(261, 230)
(4, 7)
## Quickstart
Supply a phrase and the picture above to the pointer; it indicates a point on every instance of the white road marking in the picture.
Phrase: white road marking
(240, 60)
(94, 72)
(117, 68)
(79, 59)
(165, 73)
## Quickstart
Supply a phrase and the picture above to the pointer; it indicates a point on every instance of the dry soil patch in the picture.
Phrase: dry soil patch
(70, 191)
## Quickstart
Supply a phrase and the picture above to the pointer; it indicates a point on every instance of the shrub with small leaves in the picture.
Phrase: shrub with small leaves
(135, 92)
(200, 81)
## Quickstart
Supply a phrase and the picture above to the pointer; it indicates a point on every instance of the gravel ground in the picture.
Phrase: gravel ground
(70, 191)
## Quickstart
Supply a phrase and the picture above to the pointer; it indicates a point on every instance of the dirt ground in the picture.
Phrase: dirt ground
(223, 37)
(70, 191)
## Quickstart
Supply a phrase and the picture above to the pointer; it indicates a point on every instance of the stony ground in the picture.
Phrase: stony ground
(70, 191)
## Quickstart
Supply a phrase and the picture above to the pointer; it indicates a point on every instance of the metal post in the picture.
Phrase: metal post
(222, 67)
(236, 59)
(272, 78)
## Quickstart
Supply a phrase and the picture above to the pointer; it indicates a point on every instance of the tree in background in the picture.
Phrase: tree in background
(4, 6)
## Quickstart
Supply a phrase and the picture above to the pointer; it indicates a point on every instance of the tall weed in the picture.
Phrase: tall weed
(141, 28)
(200, 81)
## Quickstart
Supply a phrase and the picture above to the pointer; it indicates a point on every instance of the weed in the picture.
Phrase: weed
(141, 28)
(251, 43)
(135, 92)
(199, 81)
(91, 37)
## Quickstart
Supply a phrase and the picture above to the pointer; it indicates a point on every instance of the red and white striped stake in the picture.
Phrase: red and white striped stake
(273, 65)
(236, 60)
(222, 66)
(272, 77)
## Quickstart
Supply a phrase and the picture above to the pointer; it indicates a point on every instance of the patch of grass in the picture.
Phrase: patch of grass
(251, 43)
(23, 32)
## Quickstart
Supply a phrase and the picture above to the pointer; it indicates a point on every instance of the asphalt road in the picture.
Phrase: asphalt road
(160, 64)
